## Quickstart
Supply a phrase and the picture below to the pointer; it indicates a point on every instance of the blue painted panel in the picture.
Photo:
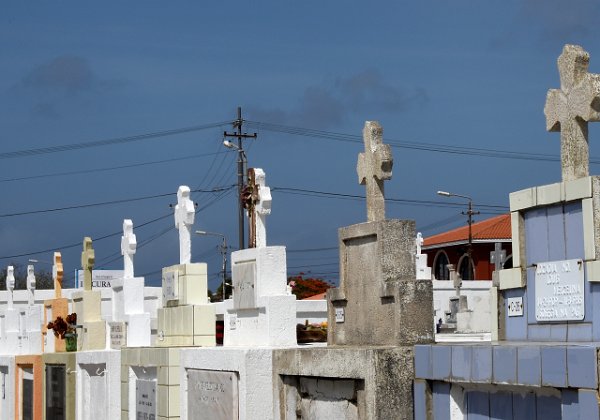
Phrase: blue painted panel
(529, 365)
(539, 332)
(530, 302)
(478, 405)
(441, 361)
(548, 408)
(420, 399)
(461, 363)
(588, 405)
(556, 234)
(423, 368)
(501, 406)
(536, 236)
(582, 367)
(595, 301)
(441, 400)
(524, 406)
(579, 332)
(588, 301)
(554, 366)
(516, 326)
(558, 332)
(504, 360)
(574, 230)
(570, 404)
(481, 366)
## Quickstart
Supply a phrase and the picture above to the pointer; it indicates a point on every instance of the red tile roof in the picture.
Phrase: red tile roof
(495, 228)
(320, 296)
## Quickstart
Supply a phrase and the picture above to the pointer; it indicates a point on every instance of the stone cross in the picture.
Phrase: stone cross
(10, 284)
(419, 242)
(456, 280)
(570, 108)
(184, 219)
(57, 275)
(88, 258)
(498, 256)
(31, 284)
(374, 166)
(259, 207)
(128, 247)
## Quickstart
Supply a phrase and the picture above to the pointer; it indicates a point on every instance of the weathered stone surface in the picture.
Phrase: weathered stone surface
(570, 108)
(383, 303)
(373, 382)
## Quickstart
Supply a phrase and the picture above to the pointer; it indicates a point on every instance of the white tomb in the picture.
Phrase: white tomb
(423, 271)
(11, 327)
(236, 381)
(30, 319)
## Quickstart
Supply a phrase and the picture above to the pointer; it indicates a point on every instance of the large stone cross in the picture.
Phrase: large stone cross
(31, 284)
(57, 275)
(259, 207)
(570, 108)
(184, 219)
(128, 247)
(374, 166)
(10, 284)
(88, 258)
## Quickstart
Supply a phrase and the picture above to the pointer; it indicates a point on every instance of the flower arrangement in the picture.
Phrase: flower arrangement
(63, 327)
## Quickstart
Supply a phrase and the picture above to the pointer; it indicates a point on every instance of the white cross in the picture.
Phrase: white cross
(184, 219)
(419, 242)
(31, 283)
(570, 108)
(128, 247)
(57, 275)
(88, 257)
(374, 166)
(10, 284)
(262, 207)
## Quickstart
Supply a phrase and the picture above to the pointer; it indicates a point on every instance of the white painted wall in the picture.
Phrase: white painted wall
(477, 292)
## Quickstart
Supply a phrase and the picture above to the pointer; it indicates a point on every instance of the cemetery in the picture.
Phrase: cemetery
(401, 342)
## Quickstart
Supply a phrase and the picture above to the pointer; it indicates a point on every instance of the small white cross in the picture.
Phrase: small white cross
(128, 248)
(262, 207)
(184, 219)
(31, 283)
(419, 242)
(10, 284)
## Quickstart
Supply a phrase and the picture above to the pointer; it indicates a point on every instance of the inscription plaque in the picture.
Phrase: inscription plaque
(244, 279)
(339, 315)
(515, 306)
(559, 291)
(145, 399)
(170, 287)
(118, 335)
(212, 395)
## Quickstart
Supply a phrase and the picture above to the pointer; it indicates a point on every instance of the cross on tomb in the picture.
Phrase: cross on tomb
(184, 219)
(10, 284)
(374, 166)
(570, 108)
(57, 275)
(88, 258)
(128, 247)
(419, 241)
(498, 256)
(30, 283)
(258, 205)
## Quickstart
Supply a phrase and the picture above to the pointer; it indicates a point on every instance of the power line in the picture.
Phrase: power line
(108, 142)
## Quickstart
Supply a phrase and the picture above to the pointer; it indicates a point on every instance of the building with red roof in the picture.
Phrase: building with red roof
(451, 248)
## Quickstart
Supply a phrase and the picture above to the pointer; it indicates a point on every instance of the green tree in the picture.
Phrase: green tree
(43, 278)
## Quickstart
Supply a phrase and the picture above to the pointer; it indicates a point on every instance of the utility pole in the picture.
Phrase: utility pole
(470, 213)
(237, 126)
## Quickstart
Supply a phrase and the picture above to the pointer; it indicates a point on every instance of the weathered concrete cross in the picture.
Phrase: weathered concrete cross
(128, 247)
(259, 207)
(31, 284)
(374, 166)
(570, 108)
(10, 284)
(184, 219)
(57, 275)
(88, 257)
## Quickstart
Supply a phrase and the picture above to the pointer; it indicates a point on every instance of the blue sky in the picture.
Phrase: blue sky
(468, 73)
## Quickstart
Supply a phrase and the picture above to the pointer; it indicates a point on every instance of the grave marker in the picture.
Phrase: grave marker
(184, 219)
(212, 394)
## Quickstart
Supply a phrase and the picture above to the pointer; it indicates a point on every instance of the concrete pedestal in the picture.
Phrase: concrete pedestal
(98, 385)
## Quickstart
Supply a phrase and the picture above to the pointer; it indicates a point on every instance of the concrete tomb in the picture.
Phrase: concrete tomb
(423, 271)
(59, 385)
(10, 320)
(54, 308)
(376, 315)
(547, 322)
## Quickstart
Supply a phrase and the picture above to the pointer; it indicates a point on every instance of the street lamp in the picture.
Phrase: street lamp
(223, 249)
(469, 215)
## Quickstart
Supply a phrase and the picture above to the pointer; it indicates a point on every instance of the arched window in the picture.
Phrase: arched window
(440, 263)
(466, 268)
